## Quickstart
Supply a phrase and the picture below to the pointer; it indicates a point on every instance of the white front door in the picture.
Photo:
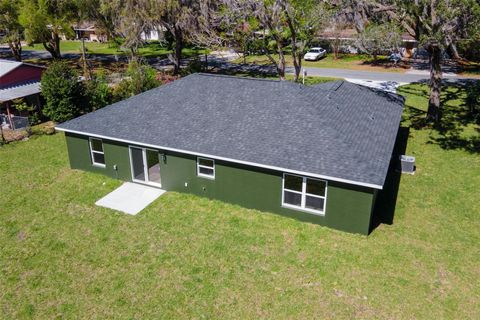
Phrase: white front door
(145, 164)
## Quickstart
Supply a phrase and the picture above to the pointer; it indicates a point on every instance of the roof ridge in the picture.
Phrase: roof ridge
(309, 98)
(334, 86)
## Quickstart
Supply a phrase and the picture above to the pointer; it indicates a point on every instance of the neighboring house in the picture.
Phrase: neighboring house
(349, 36)
(156, 34)
(318, 153)
(18, 80)
(89, 32)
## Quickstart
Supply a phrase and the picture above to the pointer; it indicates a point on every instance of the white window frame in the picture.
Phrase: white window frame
(206, 167)
(96, 164)
(304, 195)
(145, 167)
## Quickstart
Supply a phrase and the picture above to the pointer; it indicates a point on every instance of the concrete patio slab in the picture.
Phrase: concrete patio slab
(130, 198)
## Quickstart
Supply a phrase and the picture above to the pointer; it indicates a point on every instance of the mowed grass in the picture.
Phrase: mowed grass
(344, 61)
(190, 257)
(151, 49)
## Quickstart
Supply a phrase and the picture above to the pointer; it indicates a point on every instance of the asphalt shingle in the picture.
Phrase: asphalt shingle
(336, 129)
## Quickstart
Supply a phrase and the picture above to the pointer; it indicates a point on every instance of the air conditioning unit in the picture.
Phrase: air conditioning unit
(407, 164)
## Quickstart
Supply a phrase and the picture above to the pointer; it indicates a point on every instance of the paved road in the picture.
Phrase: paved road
(226, 65)
(373, 76)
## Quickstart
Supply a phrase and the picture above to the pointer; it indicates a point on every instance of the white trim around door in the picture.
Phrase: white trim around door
(150, 175)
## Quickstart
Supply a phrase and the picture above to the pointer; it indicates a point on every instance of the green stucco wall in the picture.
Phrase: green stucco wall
(115, 154)
(348, 207)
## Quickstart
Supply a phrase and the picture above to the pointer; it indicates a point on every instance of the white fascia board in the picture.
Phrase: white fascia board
(253, 164)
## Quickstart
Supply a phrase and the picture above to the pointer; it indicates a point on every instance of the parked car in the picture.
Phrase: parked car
(315, 53)
(395, 57)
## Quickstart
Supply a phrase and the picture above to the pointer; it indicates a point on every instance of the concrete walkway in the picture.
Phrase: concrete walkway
(130, 198)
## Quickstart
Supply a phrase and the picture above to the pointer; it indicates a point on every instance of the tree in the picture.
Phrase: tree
(62, 92)
(236, 27)
(46, 20)
(303, 18)
(140, 77)
(283, 22)
(435, 24)
(378, 38)
(184, 20)
(98, 93)
(132, 19)
(336, 29)
(242, 35)
(268, 17)
(11, 27)
(102, 13)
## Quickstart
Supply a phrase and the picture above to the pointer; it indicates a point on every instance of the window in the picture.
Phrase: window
(96, 151)
(206, 168)
(304, 193)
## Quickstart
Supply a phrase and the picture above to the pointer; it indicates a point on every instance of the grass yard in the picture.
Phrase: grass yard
(152, 49)
(345, 61)
(190, 257)
(470, 68)
(309, 80)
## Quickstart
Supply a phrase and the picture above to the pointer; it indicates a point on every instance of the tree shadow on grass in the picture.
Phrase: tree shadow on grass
(459, 127)
(386, 199)
(385, 63)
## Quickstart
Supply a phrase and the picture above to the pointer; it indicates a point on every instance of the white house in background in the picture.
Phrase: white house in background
(89, 32)
(156, 34)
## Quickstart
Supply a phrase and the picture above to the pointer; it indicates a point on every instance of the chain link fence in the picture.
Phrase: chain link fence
(14, 122)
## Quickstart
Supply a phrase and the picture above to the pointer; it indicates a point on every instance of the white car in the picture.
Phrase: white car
(315, 53)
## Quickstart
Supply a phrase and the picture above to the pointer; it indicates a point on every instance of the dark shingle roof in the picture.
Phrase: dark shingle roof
(336, 129)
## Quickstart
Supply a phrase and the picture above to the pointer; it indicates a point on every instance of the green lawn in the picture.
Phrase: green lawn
(344, 61)
(190, 257)
(470, 68)
(152, 49)
(309, 80)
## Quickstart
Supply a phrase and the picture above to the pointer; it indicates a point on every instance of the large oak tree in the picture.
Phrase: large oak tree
(46, 20)
(436, 24)
(11, 27)
(287, 25)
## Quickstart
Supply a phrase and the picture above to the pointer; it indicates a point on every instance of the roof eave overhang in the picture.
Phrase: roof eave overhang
(259, 165)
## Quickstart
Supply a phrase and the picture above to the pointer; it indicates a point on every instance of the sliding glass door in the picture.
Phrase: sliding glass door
(153, 166)
(145, 165)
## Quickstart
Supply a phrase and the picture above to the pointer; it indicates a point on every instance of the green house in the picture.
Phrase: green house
(315, 153)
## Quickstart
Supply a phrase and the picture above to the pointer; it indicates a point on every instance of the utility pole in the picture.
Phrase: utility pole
(86, 71)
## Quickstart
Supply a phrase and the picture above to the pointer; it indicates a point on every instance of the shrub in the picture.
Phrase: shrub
(98, 94)
(139, 78)
(62, 92)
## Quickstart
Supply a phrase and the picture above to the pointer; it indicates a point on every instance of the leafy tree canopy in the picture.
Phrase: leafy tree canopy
(12, 30)
(62, 92)
(45, 20)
